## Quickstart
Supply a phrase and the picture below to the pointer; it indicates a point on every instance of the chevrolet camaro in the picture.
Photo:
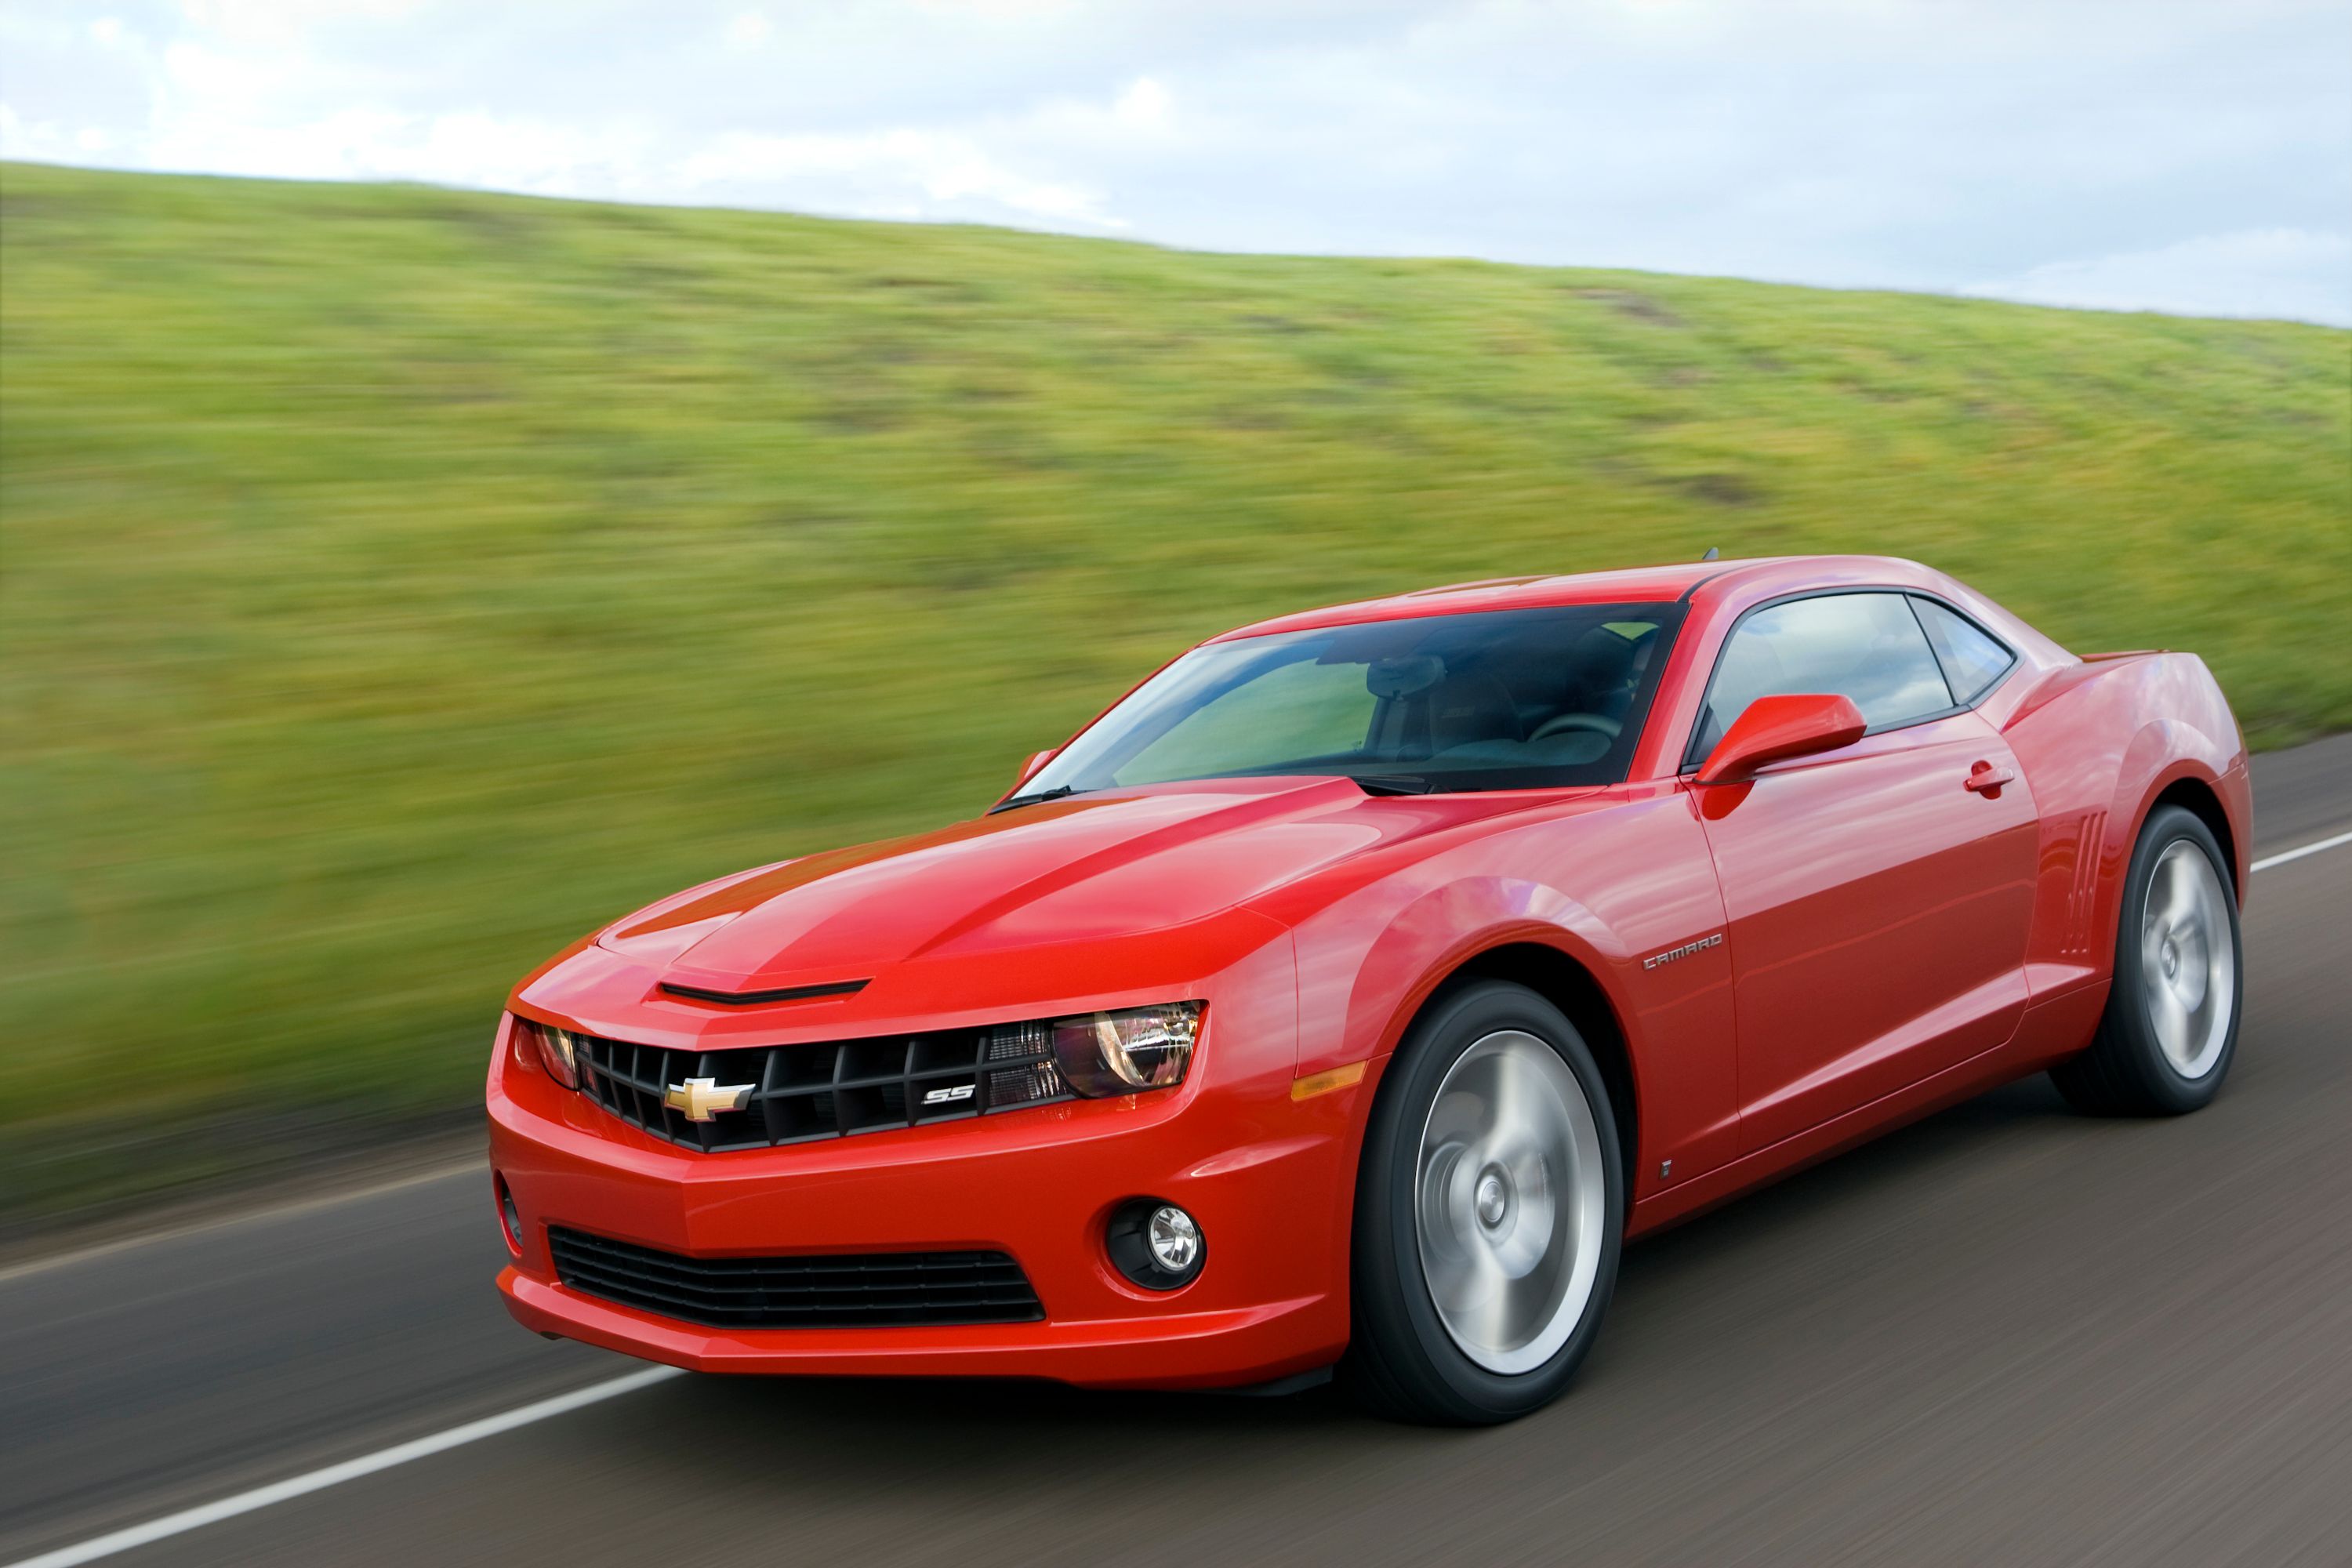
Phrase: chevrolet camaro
(1349, 993)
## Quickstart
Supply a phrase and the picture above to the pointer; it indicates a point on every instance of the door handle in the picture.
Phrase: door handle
(1987, 779)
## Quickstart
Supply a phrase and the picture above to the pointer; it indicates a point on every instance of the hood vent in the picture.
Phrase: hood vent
(753, 998)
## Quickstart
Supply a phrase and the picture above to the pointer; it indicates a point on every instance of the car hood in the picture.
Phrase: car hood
(1095, 865)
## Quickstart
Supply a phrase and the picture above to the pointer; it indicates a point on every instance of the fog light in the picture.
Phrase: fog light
(1175, 1239)
(509, 1222)
(1157, 1245)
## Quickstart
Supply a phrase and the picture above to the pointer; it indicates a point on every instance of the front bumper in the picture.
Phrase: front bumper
(1269, 1179)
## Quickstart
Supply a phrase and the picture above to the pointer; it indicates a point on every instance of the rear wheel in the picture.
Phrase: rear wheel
(1490, 1210)
(2170, 1028)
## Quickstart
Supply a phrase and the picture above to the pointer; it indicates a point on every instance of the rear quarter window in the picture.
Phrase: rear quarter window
(1972, 660)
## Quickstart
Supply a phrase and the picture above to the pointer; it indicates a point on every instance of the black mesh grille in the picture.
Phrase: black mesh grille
(793, 1094)
(886, 1290)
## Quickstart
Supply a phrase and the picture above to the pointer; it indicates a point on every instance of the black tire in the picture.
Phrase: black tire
(2125, 1071)
(1403, 1362)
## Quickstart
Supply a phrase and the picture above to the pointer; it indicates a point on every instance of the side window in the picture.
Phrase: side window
(1972, 661)
(1867, 646)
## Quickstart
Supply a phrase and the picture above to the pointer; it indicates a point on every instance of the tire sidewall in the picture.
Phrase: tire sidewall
(2164, 1083)
(1392, 1291)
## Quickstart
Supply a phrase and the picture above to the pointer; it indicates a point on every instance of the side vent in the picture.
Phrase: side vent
(2083, 900)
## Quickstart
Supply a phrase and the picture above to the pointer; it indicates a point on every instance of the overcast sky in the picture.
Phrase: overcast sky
(2191, 156)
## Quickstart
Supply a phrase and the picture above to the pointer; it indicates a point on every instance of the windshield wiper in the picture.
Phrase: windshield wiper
(1058, 792)
(1391, 783)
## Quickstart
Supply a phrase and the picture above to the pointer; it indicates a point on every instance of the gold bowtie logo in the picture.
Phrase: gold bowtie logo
(702, 1098)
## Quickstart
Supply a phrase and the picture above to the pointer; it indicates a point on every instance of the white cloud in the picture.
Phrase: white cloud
(905, 172)
(2130, 153)
(531, 156)
(286, 22)
(222, 78)
(1145, 102)
(748, 30)
(2286, 272)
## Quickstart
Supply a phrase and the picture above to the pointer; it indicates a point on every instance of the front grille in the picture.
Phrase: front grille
(829, 1090)
(883, 1289)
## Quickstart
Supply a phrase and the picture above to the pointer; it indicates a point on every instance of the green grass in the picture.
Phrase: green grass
(396, 582)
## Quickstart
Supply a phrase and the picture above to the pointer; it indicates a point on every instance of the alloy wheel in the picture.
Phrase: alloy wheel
(1508, 1195)
(2187, 968)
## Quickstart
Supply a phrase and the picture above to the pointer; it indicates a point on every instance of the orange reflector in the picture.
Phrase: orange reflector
(1348, 1077)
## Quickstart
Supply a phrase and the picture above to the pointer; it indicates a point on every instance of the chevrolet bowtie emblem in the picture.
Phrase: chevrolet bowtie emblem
(702, 1098)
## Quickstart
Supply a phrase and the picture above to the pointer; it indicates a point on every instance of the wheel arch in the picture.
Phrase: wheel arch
(1568, 983)
(2195, 795)
(2169, 763)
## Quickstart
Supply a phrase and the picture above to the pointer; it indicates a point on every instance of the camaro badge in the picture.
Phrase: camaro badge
(1684, 951)
(702, 1098)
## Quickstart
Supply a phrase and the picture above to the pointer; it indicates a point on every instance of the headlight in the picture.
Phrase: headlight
(1118, 1053)
(557, 1050)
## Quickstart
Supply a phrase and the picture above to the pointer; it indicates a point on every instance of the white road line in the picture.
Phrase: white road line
(491, 1425)
(350, 1469)
(2284, 856)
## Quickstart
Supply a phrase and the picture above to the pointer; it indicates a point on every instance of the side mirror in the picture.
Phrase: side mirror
(1037, 760)
(1776, 728)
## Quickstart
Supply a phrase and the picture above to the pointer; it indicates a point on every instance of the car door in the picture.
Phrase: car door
(1877, 898)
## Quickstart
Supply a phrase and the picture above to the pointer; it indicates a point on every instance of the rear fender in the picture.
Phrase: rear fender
(2193, 737)
(2100, 741)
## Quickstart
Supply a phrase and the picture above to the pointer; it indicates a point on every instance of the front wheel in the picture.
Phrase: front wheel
(2170, 1028)
(1489, 1212)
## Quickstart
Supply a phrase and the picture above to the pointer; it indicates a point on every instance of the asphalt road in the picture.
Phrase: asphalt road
(2004, 1334)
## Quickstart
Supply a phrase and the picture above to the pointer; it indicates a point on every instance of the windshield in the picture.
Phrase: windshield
(1500, 699)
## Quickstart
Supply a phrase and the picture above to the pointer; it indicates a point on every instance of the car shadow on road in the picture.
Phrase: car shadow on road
(1872, 1173)
(872, 1432)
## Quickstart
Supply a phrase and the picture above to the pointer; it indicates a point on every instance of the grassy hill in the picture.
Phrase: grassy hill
(396, 582)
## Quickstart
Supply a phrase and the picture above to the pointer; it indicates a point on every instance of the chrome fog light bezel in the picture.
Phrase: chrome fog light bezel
(1144, 1239)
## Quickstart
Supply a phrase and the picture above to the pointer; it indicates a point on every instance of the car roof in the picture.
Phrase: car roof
(1635, 585)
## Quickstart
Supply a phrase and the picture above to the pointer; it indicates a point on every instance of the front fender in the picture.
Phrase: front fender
(1643, 883)
(1434, 935)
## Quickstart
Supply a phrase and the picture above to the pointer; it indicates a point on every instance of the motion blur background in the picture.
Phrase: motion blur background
(597, 448)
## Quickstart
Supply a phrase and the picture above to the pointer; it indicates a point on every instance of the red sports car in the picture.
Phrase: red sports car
(1348, 992)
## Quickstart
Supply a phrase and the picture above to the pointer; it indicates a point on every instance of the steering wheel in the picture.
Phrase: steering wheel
(1561, 724)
